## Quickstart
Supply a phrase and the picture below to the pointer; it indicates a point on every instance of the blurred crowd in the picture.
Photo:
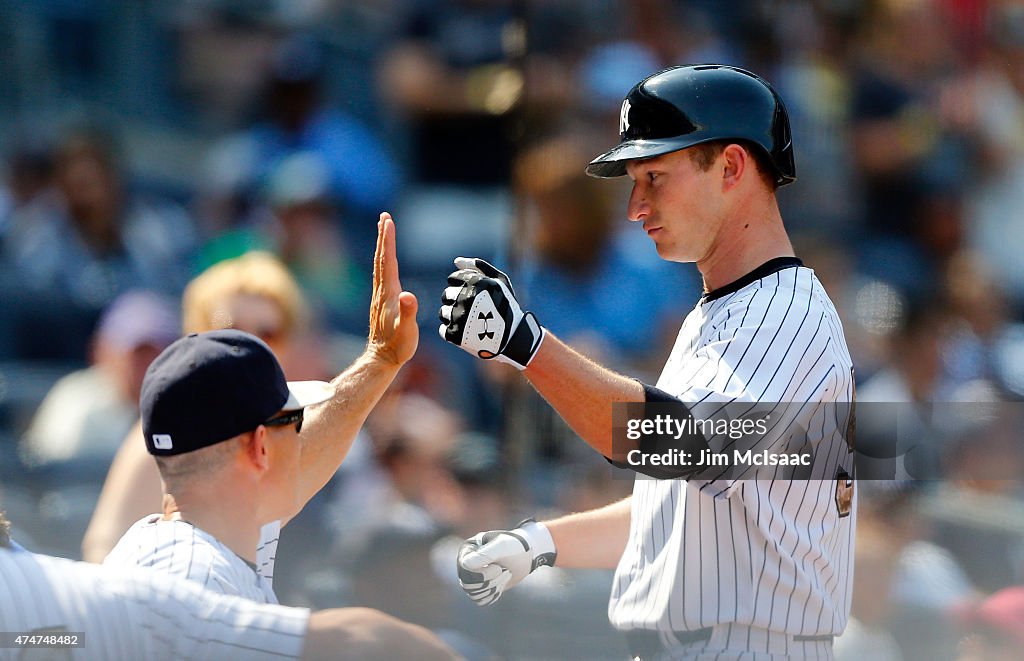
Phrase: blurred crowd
(210, 164)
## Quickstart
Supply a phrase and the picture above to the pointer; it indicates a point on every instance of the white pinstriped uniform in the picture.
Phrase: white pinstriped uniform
(746, 554)
(136, 614)
(180, 549)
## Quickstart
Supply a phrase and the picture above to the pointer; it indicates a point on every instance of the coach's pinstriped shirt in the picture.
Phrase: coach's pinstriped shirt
(133, 613)
(771, 554)
(180, 549)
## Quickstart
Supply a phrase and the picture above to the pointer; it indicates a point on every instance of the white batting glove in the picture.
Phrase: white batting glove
(480, 314)
(494, 561)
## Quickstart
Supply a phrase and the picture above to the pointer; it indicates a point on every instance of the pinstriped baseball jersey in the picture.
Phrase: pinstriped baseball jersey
(139, 614)
(772, 554)
(180, 549)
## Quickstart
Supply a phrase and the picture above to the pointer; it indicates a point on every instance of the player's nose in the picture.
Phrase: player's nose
(638, 209)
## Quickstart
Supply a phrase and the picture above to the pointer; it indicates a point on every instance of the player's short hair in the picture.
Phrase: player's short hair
(255, 273)
(181, 469)
(5, 532)
(704, 155)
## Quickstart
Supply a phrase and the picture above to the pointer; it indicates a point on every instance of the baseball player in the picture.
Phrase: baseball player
(56, 608)
(241, 450)
(713, 566)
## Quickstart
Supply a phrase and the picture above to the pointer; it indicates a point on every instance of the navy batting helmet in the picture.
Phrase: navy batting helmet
(684, 106)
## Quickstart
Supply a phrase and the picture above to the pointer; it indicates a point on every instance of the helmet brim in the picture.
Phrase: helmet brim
(612, 163)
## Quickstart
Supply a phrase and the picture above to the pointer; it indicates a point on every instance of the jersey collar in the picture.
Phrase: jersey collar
(766, 269)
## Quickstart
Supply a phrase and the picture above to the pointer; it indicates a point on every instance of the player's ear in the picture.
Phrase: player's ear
(734, 161)
(254, 448)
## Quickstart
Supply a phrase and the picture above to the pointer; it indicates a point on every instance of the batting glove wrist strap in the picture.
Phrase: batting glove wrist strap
(480, 313)
(524, 343)
(538, 539)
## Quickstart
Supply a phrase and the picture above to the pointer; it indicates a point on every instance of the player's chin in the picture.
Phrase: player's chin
(668, 250)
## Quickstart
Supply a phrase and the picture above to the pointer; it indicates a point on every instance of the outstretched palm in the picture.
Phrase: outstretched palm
(393, 331)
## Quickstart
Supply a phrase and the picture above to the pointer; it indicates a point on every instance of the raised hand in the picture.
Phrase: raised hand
(393, 335)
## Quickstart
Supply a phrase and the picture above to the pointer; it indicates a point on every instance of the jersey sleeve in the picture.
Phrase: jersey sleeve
(214, 626)
(135, 613)
(182, 620)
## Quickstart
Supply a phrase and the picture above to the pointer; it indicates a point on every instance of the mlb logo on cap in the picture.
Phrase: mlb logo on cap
(162, 441)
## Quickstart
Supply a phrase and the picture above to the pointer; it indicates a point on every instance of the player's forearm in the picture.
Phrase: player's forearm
(581, 391)
(330, 428)
(594, 539)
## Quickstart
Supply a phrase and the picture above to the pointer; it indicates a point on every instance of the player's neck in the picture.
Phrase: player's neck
(746, 241)
(233, 526)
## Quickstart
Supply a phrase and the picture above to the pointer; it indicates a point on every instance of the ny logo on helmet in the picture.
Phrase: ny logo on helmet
(624, 117)
(485, 318)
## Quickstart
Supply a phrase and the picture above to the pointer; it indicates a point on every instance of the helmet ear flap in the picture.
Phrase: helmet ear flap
(782, 155)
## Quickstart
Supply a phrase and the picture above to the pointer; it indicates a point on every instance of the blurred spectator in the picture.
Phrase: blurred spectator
(87, 413)
(303, 229)
(400, 559)
(220, 52)
(452, 73)
(898, 422)
(639, 38)
(395, 495)
(815, 79)
(29, 173)
(254, 293)
(986, 342)
(413, 437)
(454, 78)
(389, 512)
(89, 240)
(915, 359)
(258, 294)
(979, 520)
(995, 628)
(295, 119)
(477, 465)
(630, 41)
(94, 238)
(997, 204)
(906, 587)
(913, 140)
(866, 635)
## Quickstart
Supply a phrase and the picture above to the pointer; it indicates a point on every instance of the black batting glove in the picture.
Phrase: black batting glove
(480, 313)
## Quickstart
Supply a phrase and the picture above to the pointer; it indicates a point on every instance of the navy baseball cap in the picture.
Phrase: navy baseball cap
(208, 387)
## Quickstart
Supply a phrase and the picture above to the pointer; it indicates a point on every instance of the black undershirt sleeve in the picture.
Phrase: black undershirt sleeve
(652, 444)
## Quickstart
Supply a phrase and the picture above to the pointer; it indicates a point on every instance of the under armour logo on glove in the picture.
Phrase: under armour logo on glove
(480, 313)
(485, 318)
